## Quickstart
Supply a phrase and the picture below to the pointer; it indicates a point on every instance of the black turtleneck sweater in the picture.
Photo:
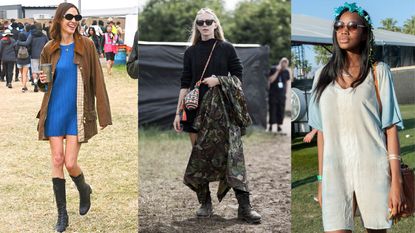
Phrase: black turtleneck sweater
(224, 61)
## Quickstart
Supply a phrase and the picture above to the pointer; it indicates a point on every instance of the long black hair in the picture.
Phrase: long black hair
(337, 61)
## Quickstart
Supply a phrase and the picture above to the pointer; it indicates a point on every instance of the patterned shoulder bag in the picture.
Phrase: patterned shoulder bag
(191, 100)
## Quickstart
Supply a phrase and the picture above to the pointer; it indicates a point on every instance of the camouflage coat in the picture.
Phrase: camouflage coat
(218, 152)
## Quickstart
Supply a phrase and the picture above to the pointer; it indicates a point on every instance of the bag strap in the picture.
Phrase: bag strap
(207, 63)
(377, 88)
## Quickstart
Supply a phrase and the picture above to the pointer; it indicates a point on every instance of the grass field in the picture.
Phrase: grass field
(306, 214)
(167, 205)
(109, 161)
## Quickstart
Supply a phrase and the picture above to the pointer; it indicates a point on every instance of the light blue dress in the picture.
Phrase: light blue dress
(61, 119)
(355, 154)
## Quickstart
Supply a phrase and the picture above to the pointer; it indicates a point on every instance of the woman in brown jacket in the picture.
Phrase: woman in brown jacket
(68, 106)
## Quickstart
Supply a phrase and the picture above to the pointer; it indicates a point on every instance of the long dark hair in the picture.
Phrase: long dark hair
(93, 30)
(338, 59)
(55, 30)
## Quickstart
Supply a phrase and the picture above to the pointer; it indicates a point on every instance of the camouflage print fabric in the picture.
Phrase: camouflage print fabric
(218, 152)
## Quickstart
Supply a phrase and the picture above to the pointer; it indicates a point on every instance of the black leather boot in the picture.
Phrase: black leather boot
(245, 211)
(60, 197)
(205, 200)
(84, 193)
(205, 209)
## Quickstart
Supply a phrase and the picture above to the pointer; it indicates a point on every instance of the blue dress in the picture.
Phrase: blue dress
(61, 118)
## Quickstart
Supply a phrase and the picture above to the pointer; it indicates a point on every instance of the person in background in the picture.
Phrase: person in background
(36, 41)
(5, 25)
(132, 63)
(93, 36)
(23, 60)
(15, 30)
(110, 41)
(120, 33)
(8, 55)
(84, 28)
(1, 69)
(10, 26)
(110, 22)
(46, 28)
(97, 28)
(277, 83)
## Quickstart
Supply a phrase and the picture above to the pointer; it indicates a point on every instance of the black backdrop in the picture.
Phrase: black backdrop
(160, 67)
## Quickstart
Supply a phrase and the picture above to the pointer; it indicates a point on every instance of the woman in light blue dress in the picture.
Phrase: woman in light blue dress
(356, 165)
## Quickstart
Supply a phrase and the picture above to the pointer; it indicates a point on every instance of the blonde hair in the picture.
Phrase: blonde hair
(284, 59)
(196, 37)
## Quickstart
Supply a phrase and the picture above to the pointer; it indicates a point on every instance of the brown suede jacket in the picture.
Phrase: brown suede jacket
(91, 84)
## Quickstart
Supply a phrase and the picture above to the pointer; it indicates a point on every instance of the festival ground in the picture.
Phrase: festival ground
(109, 161)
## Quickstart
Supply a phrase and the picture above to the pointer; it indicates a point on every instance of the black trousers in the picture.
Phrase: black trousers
(276, 109)
(8, 67)
(1, 71)
(16, 73)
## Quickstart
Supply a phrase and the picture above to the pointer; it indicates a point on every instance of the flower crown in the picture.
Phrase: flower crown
(352, 7)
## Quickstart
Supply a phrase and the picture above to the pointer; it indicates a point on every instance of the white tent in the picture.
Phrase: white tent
(311, 30)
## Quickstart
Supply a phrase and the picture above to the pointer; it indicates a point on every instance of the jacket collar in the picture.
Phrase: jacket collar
(79, 45)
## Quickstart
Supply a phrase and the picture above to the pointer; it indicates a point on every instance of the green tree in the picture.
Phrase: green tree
(390, 25)
(266, 22)
(302, 66)
(322, 54)
(409, 26)
(171, 20)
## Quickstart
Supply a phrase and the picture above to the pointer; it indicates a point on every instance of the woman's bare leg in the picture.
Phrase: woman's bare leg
(24, 71)
(58, 156)
(71, 155)
(193, 137)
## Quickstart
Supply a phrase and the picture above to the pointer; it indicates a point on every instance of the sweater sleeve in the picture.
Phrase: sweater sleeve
(234, 64)
(186, 78)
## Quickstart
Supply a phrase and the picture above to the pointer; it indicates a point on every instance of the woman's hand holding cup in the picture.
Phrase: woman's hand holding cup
(42, 77)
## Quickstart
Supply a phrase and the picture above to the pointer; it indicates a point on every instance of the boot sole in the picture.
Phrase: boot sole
(205, 216)
(249, 221)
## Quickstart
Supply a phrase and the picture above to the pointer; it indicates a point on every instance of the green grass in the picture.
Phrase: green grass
(305, 212)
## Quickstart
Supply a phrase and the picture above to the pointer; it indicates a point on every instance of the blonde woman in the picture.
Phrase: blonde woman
(221, 73)
(68, 115)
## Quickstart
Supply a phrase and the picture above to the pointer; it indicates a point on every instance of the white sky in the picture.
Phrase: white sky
(85, 4)
(229, 4)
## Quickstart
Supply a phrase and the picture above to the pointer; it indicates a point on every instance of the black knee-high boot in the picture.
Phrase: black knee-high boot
(245, 211)
(60, 197)
(205, 200)
(84, 193)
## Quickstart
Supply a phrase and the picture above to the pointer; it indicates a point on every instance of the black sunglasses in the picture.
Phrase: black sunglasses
(71, 16)
(201, 22)
(351, 26)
